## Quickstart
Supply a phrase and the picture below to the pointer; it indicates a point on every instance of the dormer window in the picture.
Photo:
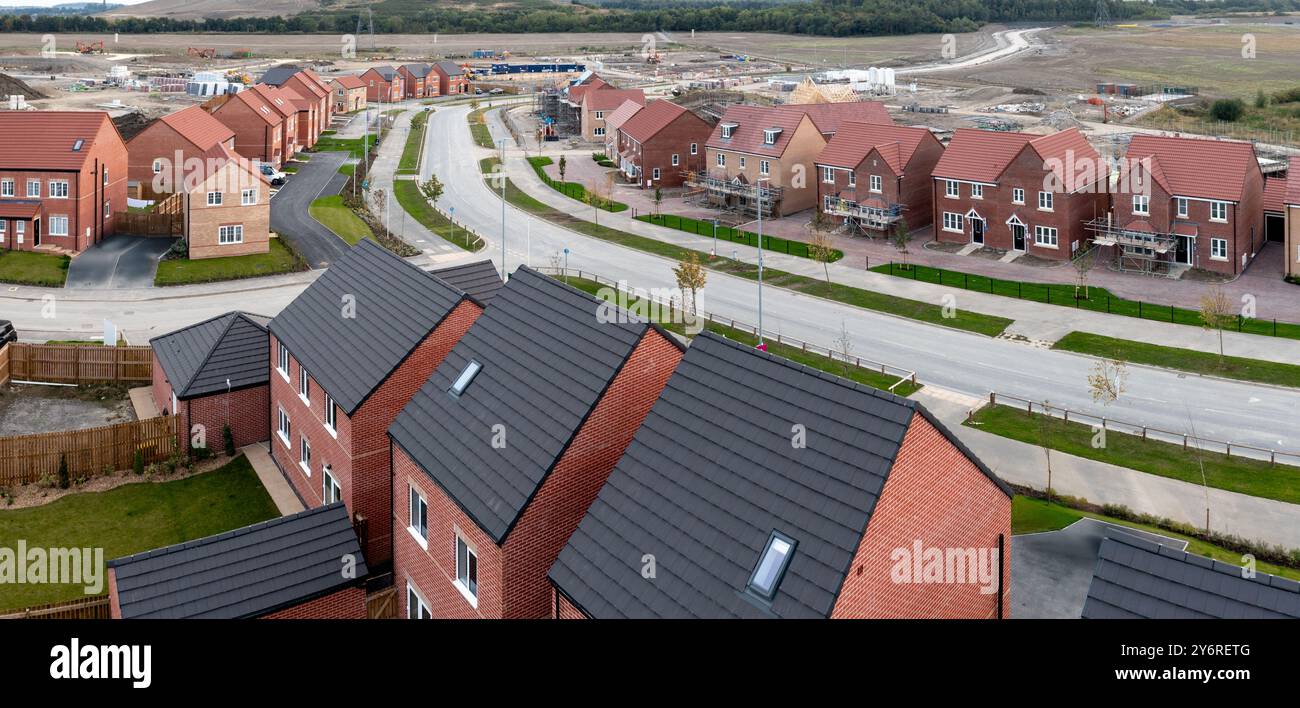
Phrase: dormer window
(466, 376)
(770, 135)
(771, 565)
(729, 129)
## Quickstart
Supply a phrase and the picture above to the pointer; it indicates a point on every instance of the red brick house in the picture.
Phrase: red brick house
(158, 154)
(614, 124)
(761, 488)
(298, 114)
(383, 85)
(349, 93)
(1019, 192)
(310, 86)
(348, 353)
(262, 132)
(452, 80)
(1189, 202)
(419, 81)
(497, 457)
(870, 176)
(598, 103)
(303, 566)
(213, 374)
(659, 144)
(63, 175)
(1291, 221)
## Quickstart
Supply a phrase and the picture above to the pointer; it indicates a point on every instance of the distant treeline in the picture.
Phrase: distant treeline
(837, 18)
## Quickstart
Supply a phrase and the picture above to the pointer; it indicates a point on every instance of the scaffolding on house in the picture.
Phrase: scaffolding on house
(556, 113)
(733, 194)
(1137, 250)
(863, 217)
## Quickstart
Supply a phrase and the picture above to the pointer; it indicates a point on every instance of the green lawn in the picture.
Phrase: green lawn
(410, 162)
(1235, 474)
(479, 130)
(866, 377)
(413, 201)
(1063, 294)
(727, 233)
(1232, 367)
(32, 268)
(355, 146)
(348, 168)
(182, 271)
(1031, 515)
(134, 518)
(913, 309)
(334, 215)
(572, 190)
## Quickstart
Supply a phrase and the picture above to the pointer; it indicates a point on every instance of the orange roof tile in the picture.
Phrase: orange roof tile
(979, 155)
(48, 140)
(1275, 192)
(855, 140)
(649, 121)
(609, 99)
(1196, 167)
(348, 81)
(615, 120)
(198, 126)
(1293, 181)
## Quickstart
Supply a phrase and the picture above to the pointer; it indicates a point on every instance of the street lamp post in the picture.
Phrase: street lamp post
(759, 184)
(715, 238)
(502, 176)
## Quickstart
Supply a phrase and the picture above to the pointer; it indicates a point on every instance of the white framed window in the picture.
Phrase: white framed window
(418, 520)
(466, 570)
(1045, 201)
(1017, 195)
(764, 167)
(4, 226)
(157, 165)
(1219, 249)
(58, 189)
(304, 384)
(330, 490)
(1046, 236)
(1218, 211)
(304, 454)
(695, 148)
(105, 176)
(1141, 204)
(20, 228)
(214, 198)
(33, 188)
(282, 365)
(600, 115)
(231, 234)
(977, 191)
(58, 226)
(248, 197)
(769, 136)
(1181, 205)
(728, 129)
(721, 160)
(416, 607)
(108, 208)
(598, 132)
(742, 162)
(285, 428)
(951, 189)
(876, 183)
(954, 222)
(6, 188)
(828, 175)
(654, 174)
(331, 416)
(677, 160)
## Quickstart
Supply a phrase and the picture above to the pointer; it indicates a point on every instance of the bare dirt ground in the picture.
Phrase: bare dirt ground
(29, 409)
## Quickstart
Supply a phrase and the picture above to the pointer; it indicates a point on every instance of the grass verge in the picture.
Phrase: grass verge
(334, 215)
(356, 147)
(409, 163)
(1235, 474)
(1190, 360)
(32, 268)
(1063, 294)
(733, 235)
(135, 518)
(183, 271)
(409, 197)
(478, 128)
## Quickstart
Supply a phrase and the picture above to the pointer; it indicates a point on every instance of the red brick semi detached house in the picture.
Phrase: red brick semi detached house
(213, 374)
(660, 143)
(760, 488)
(1020, 192)
(63, 176)
(496, 459)
(160, 155)
(1187, 202)
(872, 175)
(347, 355)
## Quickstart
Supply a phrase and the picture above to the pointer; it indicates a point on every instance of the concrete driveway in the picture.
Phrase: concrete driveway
(118, 262)
(1051, 571)
(290, 215)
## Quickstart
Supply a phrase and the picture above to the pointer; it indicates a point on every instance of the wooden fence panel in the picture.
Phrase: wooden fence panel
(382, 604)
(81, 608)
(148, 224)
(76, 364)
(27, 458)
(4, 363)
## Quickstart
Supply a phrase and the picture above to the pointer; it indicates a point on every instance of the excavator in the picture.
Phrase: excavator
(90, 47)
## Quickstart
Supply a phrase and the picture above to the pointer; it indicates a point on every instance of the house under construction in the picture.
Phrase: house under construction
(871, 218)
(1142, 250)
(734, 194)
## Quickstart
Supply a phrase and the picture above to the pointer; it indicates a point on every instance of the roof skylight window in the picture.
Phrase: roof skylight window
(462, 382)
(771, 565)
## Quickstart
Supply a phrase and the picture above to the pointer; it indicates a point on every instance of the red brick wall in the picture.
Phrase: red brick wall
(254, 138)
(937, 495)
(245, 410)
(359, 456)
(348, 603)
(563, 499)
(114, 604)
(561, 608)
(674, 139)
(382, 90)
(913, 190)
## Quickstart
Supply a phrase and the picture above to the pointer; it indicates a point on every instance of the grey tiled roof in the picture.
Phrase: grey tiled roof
(450, 68)
(227, 350)
(713, 471)
(277, 75)
(397, 306)
(247, 572)
(386, 71)
(1138, 579)
(419, 71)
(546, 362)
(480, 280)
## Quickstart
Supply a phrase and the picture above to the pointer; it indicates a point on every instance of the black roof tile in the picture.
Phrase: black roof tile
(480, 279)
(229, 350)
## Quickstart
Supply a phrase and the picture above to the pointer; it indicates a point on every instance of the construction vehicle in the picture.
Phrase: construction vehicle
(90, 47)
(654, 57)
(201, 53)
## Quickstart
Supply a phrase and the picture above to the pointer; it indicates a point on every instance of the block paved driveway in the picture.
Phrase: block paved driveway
(118, 262)
(1051, 571)
(290, 215)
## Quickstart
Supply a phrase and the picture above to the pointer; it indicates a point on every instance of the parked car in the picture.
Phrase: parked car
(7, 332)
(497, 91)
(275, 176)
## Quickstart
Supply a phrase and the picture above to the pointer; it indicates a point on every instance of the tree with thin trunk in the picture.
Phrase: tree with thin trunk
(1108, 380)
(1216, 312)
(1083, 265)
(822, 249)
(432, 189)
(658, 199)
(1045, 424)
(592, 197)
(691, 277)
(562, 167)
(844, 344)
(902, 236)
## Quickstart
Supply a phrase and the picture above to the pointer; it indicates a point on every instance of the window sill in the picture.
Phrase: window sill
(955, 231)
(306, 401)
(283, 374)
(1223, 259)
(470, 597)
(334, 433)
(1044, 245)
(305, 469)
(423, 542)
(283, 439)
(1049, 211)
(1218, 221)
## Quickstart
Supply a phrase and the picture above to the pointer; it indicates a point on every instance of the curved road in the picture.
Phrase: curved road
(289, 209)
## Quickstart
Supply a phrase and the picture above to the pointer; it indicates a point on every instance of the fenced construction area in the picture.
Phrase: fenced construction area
(75, 364)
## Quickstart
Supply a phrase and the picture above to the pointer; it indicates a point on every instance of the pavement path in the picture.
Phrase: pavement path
(383, 173)
(290, 215)
(118, 262)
